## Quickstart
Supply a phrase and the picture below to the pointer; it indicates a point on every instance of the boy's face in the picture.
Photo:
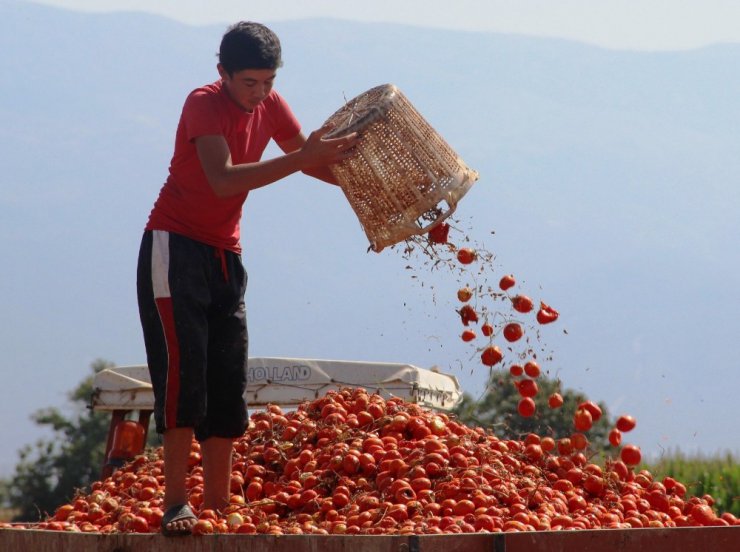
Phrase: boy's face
(248, 87)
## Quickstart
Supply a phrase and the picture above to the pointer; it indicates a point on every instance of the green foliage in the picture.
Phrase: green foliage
(718, 476)
(50, 471)
(497, 410)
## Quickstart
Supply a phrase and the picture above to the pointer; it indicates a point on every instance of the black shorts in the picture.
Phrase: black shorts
(191, 304)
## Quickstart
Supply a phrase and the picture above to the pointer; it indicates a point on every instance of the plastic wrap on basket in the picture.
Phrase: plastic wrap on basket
(403, 177)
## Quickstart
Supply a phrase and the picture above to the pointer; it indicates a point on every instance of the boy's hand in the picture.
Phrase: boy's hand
(319, 151)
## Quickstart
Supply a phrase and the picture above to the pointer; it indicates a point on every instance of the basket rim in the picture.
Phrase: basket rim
(370, 113)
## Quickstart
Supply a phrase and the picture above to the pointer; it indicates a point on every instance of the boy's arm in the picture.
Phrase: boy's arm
(228, 179)
(322, 173)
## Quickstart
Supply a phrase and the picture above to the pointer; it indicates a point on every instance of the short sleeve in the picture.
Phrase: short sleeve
(286, 124)
(200, 115)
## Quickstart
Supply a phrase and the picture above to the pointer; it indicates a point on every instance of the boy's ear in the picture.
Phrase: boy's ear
(221, 71)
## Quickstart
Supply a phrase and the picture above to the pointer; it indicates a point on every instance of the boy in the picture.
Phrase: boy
(190, 279)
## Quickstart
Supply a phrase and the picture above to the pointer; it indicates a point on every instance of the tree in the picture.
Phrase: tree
(497, 410)
(51, 471)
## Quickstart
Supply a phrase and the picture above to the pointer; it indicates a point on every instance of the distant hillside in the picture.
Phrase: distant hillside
(609, 178)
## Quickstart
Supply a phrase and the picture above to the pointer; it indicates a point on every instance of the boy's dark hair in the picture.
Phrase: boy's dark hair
(249, 45)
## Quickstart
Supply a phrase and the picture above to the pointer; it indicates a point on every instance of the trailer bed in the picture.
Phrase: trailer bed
(689, 539)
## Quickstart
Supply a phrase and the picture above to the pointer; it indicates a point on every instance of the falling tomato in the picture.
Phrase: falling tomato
(468, 314)
(506, 282)
(527, 387)
(555, 400)
(615, 437)
(546, 314)
(526, 407)
(466, 255)
(593, 408)
(486, 329)
(516, 370)
(522, 303)
(513, 332)
(626, 423)
(582, 419)
(631, 455)
(491, 355)
(468, 335)
(464, 294)
(532, 369)
(439, 233)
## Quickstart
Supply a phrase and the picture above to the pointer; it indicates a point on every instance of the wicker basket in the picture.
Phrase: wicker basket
(403, 178)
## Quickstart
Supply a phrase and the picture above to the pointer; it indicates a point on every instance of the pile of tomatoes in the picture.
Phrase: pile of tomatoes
(352, 462)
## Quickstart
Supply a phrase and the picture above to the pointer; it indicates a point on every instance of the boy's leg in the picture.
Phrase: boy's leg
(216, 453)
(171, 293)
(226, 418)
(177, 442)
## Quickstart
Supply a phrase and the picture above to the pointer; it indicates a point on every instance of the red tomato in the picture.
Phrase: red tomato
(522, 303)
(438, 234)
(615, 437)
(468, 335)
(468, 314)
(631, 455)
(555, 400)
(516, 370)
(626, 423)
(466, 255)
(203, 527)
(546, 314)
(507, 282)
(513, 332)
(582, 420)
(532, 369)
(486, 329)
(593, 408)
(491, 355)
(526, 407)
(527, 387)
(579, 441)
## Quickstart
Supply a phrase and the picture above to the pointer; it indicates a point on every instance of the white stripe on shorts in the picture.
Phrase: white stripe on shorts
(160, 263)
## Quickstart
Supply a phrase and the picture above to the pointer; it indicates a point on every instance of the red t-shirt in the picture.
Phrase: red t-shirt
(187, 204)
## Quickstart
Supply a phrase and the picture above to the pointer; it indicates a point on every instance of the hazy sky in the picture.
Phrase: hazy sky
(622, 24)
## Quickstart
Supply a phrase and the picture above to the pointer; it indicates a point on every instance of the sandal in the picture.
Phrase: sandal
(180, 512)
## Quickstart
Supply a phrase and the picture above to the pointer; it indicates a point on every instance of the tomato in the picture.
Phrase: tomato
(546, 314)
(468, 314)
(486, 329)
(466, 255)
(468, 335)
(615, 437)
(631, 455)
(703, 514)
(506, 282)
(526, 407)
(532, 369)
(203, 527)
(513, 332)
(579, 441)
(522, 303)
(438, 234)
(491, 355)
(593, 409)
(582, 419)
(464, 294)
(527, 387)
(626, 423)
(516, 370)
(555, 400)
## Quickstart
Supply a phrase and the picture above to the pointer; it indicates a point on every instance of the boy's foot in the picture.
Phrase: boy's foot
(178, 520)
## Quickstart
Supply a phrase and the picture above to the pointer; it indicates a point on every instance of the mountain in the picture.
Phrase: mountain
(609, 186)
